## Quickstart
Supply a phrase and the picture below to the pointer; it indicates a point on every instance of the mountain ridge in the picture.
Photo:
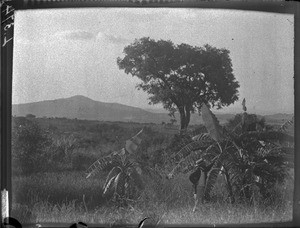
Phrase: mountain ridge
(82, 107)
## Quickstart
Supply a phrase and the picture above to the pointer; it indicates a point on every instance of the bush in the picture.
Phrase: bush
(29, 146)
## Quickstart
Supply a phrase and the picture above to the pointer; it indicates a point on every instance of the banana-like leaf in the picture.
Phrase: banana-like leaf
(193, 146)
(131, 146)
(211, 123)
(197, 150)
(101, 163)
(110, 185)
(119, 184)
(211, 153)
(212, 178)
(286, 125)
(110, 177)
(186, 163)
(278, 155)
(98, 165)
(281, 151)
(235, 178)
(133, 143)
(233, 170)
(203, 137)
(267, 136)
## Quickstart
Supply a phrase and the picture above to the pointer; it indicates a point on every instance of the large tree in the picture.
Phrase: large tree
(181, 77)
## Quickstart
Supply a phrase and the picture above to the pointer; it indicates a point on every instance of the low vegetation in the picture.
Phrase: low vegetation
(51, 156)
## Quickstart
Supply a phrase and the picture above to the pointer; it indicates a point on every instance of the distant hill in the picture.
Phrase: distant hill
(81, 107)
(278, 118)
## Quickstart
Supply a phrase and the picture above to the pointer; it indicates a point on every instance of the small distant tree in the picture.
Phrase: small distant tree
(173, 121)
(181, 77)
(30, 116)
(254, 123)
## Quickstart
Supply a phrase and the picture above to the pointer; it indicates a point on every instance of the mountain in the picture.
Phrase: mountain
(81, 107)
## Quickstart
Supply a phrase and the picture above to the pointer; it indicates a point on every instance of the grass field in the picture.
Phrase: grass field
(61, 193)
(58, 198)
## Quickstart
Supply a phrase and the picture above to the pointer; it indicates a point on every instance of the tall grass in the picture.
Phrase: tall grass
(58, 198)
(216, 213)
(58, 188)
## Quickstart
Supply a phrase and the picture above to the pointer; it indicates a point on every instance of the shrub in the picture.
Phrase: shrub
(29, 146)
(30, 116)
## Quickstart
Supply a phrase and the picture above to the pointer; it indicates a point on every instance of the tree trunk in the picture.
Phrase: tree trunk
(182, 118)
(185, 116)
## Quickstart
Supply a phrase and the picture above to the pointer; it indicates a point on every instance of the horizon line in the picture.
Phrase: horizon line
(234, 111)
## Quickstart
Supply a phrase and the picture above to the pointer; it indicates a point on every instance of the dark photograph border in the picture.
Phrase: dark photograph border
(7, 34)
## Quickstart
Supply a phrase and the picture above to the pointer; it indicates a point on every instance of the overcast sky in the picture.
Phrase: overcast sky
(65, 52)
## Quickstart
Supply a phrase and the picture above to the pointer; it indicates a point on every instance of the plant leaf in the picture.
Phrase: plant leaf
(211, 123)
(119, 184)
(133, 143)
(98, 165)
(267, 136)
(187, 163)
(211, 153)
(212, 178)
(110, 177)
(203, 137)
(196, 151)
(186, 150)
(101, 163)
(110, 185)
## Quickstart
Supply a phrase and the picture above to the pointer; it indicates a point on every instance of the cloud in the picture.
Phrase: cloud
(75, 35)
(185, 14)
(113, 38)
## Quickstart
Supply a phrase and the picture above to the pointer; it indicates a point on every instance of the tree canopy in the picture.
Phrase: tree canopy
(181, 77)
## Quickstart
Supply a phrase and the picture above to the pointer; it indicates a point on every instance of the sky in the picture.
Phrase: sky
(60, 53)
